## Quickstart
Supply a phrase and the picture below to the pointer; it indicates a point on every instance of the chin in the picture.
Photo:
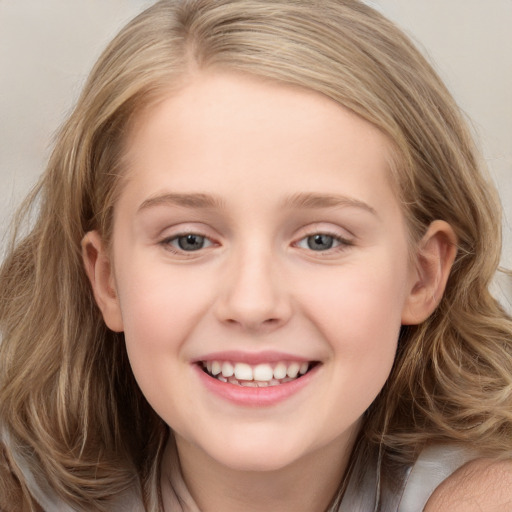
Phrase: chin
(257, 458)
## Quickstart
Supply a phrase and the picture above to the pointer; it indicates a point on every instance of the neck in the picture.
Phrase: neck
(309, 483)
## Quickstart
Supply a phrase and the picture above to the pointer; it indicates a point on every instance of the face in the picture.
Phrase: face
(257, 235)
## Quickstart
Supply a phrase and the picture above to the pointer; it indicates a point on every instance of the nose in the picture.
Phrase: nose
(254, 293)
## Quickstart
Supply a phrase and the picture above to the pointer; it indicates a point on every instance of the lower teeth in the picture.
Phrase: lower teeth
(253, 383)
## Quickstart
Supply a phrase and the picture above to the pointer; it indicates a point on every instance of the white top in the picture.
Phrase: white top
(433, 466)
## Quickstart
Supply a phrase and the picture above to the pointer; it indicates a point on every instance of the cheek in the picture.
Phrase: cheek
(358, 311)
(160, 306)
(363, 302)
(364, 338)
(159, 313)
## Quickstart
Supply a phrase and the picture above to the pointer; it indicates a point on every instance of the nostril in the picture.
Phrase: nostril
(253, 324)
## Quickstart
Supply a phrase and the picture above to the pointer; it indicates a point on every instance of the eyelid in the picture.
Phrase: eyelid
(343, 241)
(166, 243)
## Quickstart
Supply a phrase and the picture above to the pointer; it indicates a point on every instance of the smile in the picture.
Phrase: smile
(255, 380)
(259, 375)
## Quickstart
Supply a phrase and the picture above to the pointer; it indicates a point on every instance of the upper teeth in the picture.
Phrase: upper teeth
(261, 372)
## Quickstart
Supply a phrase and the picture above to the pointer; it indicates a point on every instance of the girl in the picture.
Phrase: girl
(258, 279)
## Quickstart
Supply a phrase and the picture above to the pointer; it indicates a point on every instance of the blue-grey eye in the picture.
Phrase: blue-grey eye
(190, 242)
(320, 242)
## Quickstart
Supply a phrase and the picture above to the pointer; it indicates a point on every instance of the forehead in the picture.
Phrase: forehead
(225, 128)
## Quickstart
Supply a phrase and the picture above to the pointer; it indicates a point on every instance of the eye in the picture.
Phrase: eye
(188, 242)
(321, 242)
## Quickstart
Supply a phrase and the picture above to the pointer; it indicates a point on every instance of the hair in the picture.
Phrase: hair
(69, 404)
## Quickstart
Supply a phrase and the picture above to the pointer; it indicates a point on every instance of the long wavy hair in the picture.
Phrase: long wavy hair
(70, 410)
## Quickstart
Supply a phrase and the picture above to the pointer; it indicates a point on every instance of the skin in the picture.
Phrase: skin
(482, 485)
(257, 285)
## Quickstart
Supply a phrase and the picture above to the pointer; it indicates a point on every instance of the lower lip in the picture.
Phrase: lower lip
(255, 397)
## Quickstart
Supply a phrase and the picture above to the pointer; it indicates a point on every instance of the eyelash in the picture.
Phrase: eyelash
(342, 243)
(167, 243)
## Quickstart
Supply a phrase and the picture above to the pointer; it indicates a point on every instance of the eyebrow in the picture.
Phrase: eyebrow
(306, 200)
(313, 200)
(194, 200)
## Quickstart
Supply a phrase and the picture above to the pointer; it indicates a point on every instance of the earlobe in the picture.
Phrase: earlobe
(99, 271)
(434, 259)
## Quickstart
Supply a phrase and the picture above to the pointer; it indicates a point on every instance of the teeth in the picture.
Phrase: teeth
(249, 384)
(216, 367)
(260, 375)
(263, 372)
(227, 369)
(293, 370)
(243, 371)
(280, 371)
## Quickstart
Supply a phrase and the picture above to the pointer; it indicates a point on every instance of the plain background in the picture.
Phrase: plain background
(47, 48)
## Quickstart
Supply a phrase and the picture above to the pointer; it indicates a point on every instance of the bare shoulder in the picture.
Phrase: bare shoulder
(482, 485)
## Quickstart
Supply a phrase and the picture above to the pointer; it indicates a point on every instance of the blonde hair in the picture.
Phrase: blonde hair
(68, 400)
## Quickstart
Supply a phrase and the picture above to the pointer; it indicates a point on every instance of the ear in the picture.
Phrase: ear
(99, 271)
(434, 259)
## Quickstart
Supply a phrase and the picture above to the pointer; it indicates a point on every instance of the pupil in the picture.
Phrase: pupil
(320, 242)
(191, 242)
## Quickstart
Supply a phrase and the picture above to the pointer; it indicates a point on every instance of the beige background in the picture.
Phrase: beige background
(48, 46)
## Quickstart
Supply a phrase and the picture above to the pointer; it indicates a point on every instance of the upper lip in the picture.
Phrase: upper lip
(252, 358)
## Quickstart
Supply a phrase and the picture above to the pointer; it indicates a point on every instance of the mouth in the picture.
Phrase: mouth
(257, 376)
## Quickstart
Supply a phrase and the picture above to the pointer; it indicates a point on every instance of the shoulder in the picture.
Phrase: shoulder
(482, 485)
